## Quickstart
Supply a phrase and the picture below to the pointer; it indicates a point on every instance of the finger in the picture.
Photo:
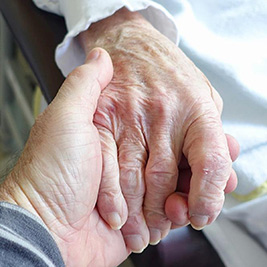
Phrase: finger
(176, 209)
(184, 179)
(231, 183)
(234, 149)
(111, 203)
(208, 155)
(132, 159)
(83, 85)
(183, 185)
(185, 173)
(233, 146)
(161, 177)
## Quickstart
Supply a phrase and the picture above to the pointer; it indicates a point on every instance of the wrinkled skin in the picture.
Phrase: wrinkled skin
(59, 172)
(158, 109)
(58, 175)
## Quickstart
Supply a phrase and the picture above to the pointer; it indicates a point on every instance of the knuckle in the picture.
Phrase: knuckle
(161, 105)
(110, 165)
(202, 112)
(131, 181)
(157, 219)
(107, 193)
(162, 174)
(155, 211)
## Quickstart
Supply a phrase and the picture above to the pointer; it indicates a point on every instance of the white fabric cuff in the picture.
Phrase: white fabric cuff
(79, 17)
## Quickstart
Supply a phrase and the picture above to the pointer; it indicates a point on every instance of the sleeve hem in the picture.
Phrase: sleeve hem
(70, 55)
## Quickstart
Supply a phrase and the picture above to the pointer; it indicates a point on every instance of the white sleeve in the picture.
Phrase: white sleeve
(80, 14)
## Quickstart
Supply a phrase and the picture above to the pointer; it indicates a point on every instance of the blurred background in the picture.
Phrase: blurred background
(20, 100)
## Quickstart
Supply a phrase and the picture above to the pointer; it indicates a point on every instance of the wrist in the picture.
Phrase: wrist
(15, 188)
(103, 33)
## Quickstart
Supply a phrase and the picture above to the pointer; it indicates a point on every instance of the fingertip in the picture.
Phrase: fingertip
(101, 57)
(176, 209)
(198, 222)
(111, 202)
(93, 55)
(113, 210)
(114, 220)
(135, 243)
(233, 145)
(231, 183)
(155, 236)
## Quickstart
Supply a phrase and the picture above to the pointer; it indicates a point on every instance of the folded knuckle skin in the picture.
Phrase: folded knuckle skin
(105, 112)
(156, 218)
(131, 182)
(162, 174)
(110, 165)
(108, 193)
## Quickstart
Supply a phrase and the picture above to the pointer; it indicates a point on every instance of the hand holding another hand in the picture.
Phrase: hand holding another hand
(154, 134)
(159, 123)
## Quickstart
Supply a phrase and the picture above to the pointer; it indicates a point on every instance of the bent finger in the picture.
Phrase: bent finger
(132, 158)
(208, 156)
(161, 179)
(111, 203)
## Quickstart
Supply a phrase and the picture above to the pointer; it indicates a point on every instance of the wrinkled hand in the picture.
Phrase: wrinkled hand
(158, 109)
(58, 174)
(176, 205)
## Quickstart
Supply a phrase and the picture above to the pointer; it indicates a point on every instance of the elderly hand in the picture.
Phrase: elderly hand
(176, 205)
(58, 175)
(158, 109)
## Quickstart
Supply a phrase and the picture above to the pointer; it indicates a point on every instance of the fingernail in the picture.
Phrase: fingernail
(114, 220)
(93, 55)
(155, 236)
(198, 222)
(135, 243)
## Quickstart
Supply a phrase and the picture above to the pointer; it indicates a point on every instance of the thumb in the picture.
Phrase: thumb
(83, 85)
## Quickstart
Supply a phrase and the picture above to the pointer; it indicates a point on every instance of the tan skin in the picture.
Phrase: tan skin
(158, 109)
